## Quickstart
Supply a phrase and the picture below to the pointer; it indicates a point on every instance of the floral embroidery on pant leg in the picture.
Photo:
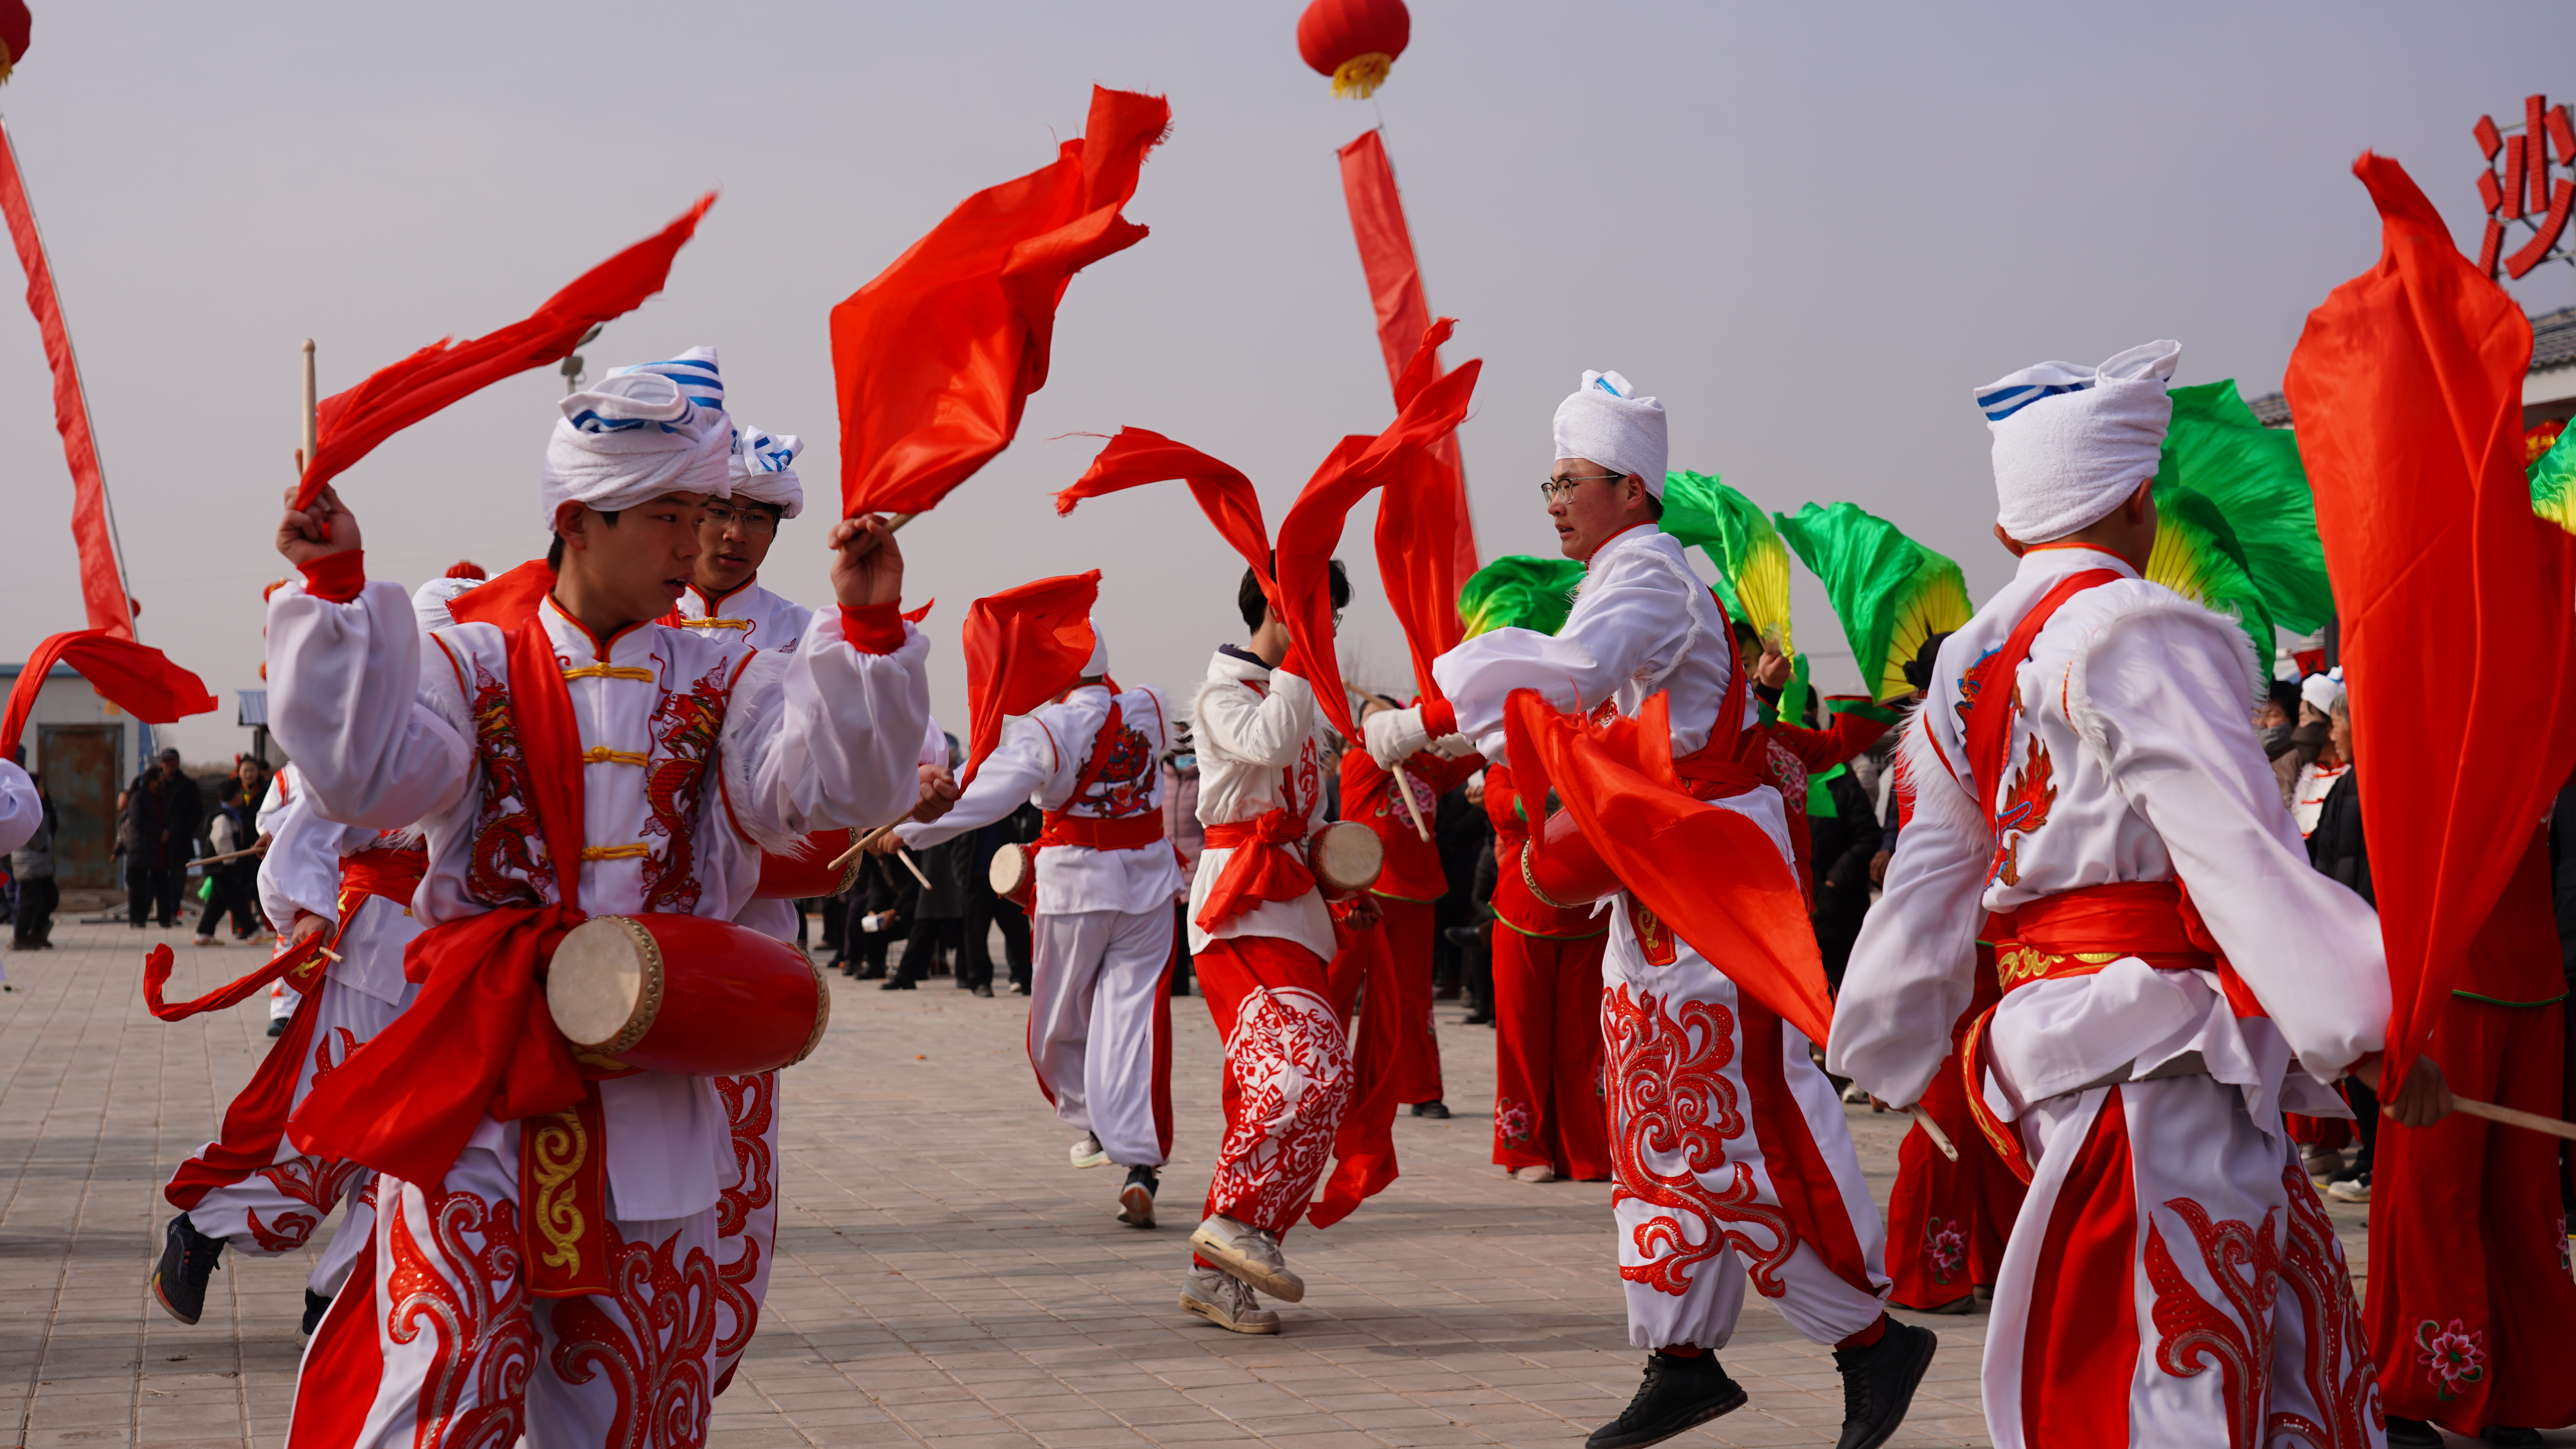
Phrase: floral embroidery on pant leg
(2192, 1332)
(1511, 1121)
(2453, 1357)
(2340, 1377)
(474, 1302)
(1669, 1095)
(1291, 1066)
(656, 1361)
(1947, 1248)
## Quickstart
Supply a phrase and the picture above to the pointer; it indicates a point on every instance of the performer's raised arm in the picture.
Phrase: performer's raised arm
(1012, 776)
(1268, 731)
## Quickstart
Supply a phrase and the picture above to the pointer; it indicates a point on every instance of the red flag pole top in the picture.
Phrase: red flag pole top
(934, 359)
(1024, 646)
(349, 425)
(1354, 41)
(2407, 384)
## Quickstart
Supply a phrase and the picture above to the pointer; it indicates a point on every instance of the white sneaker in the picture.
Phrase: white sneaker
(1088, 1153)
(1540, 1172)
(1249, 1254)
(1856, 1095)
(1225, 1302)
(2349, 1190)
(2321, 1162)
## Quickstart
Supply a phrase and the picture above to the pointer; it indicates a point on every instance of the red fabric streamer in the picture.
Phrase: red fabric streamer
(2408, 388)
(298, 959)
(1137, 456)
(509, 600)
(1418, 517)
(1711, 874)
(102, 586)
(395, 397)
(933, 360)
(1313, 527)
(1024, 646)
(136, 678)
(1395, 289)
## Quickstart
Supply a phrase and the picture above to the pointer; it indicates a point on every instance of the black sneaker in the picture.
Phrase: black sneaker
(1434, 1109)
(2511, 1437)
(2412, 1434)
(1678, 1394)
(1136, 1199)
(897, 983)
(277, 1026)
(315, 1305)
(188, 1259)
(1879, 1382)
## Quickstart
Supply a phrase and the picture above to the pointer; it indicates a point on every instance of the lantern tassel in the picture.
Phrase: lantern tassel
(1359, 77)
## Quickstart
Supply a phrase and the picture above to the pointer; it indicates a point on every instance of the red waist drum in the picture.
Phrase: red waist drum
(1014, 875)
(809, 871)
(689, 995)
(1563, 869)
(1346, 858)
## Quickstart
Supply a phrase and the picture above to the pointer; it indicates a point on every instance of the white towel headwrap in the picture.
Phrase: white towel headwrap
(1098, 663)
(1608, 423)
(763, 469)
(629, 440)
(2072, 443)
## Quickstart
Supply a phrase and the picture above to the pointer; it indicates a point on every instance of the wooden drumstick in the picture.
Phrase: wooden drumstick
(842, 861)
(912, 865)
(1932, 1129)
(2512, 1116)
(893, 525)
(312, 408)
(1404, 787)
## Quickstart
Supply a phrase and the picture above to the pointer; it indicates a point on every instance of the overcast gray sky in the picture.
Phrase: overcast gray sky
(1810, 229)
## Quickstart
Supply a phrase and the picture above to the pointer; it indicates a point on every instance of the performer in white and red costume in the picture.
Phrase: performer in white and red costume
(1729, 1148)
(1261, 939)
(544, 1254)
(346, 891)
(2173, 973)
(1100, 1016)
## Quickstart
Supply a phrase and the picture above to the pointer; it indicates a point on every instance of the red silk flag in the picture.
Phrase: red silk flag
(1395, 290)
(1711, 874)
(1138, 456)
(102, 584)
(933, 360)
(1313, 527)
(1024, 646)
(135, 678)
(1417, 517)
(2407, 385)
(395, 397)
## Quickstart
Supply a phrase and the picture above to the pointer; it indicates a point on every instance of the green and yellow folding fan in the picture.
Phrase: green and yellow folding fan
(1519, 592)
(1752, 562)
(2553, 484)
(1890, 592)
(2252, 478)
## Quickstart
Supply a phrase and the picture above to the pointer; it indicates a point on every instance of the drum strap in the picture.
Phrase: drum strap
(478, 1039)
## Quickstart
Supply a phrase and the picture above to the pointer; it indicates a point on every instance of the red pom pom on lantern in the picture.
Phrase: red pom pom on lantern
(466, 569)
(1354, 41)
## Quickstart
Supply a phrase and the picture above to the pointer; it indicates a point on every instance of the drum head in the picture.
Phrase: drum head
(605, 984)
(1348, 855)
(1010, 868)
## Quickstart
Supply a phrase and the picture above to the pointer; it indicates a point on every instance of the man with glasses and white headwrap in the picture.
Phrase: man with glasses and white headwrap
(2087, 787)
(1773, 1191)
(584, 1310)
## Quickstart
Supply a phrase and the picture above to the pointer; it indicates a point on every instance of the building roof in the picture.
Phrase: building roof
(59, 671)
(2553, 346)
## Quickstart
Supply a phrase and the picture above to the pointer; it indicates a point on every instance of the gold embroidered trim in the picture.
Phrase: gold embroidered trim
(637, 851)
(742, 624)
(612, 671)
(560, 1147)
(603, 755)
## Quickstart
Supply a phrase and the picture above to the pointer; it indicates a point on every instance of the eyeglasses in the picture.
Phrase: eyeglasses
(1555, 488)
(753, 520)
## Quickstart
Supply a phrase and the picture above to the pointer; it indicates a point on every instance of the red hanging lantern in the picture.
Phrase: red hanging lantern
(1354, 41)
(14, 25)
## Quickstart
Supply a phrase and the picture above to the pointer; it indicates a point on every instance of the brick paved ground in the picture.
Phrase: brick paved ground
(942, 1274)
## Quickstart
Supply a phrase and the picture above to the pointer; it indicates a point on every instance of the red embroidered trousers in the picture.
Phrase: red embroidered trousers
(2470, 1299)
(1947, 1222)
(1551, 1099)
(1288, 1076)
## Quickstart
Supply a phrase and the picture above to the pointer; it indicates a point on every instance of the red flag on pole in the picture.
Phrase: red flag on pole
(2407, 385)
(933, 360)
(1023, 647)
(135, 678)
(1418, 516)
(395, 397)
(1395, 289)
(93, 535)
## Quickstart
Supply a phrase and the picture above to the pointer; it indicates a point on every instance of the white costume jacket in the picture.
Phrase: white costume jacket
(1261, 747)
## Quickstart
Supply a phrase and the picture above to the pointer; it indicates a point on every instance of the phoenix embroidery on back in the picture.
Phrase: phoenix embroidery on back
(2025, 809)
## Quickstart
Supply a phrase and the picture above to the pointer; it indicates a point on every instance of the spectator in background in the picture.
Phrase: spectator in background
(1180, 826)
(32, 865)
(2276, 716)
(231, 885)
(1843, 838)
(161, 813)
(880, 911)
(1917, 672)
(1461, 830)
(938, 915)
(2309, 767)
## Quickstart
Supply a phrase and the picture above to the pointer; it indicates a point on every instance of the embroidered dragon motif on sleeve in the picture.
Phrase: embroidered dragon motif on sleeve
(684, 728)
(508, 865)
(2025, 809)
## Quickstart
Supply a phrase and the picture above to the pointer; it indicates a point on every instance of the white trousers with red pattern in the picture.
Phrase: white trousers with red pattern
(1716, 1108)
(435, 1342)
(746, 1216)
(2172, 1279)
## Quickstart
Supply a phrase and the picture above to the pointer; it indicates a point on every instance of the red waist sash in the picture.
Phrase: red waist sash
(1263, 866)
(1112, 832)
(391, 872)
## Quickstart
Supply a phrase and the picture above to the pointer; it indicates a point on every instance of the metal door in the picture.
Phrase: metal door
(80, 765)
